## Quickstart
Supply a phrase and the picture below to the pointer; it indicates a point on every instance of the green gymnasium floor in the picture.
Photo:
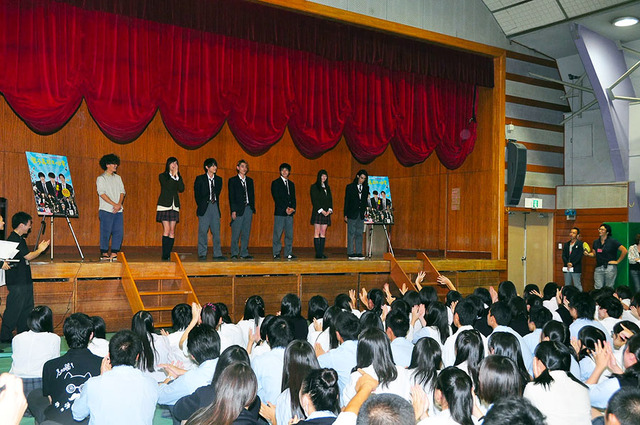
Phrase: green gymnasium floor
(5, 366)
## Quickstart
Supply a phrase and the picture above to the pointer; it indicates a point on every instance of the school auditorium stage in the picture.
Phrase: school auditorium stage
(69, 285)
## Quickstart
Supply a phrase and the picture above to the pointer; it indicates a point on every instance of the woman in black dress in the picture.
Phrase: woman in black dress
(321, 212)
(168, 208)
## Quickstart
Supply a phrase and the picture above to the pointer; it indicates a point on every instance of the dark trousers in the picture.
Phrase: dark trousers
(282, 224)
(19, 305)
(209, 221)
(46, 414)
(240, 231)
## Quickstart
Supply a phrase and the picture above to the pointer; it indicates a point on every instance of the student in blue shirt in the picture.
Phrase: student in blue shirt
(268, 367)
(397, 326)
(343, 358)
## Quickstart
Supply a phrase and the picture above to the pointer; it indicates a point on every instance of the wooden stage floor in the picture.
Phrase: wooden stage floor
(94, 287)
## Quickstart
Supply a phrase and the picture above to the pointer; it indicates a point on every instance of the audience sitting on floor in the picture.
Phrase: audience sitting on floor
(346, 366)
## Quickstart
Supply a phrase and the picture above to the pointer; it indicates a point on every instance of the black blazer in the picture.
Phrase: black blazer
(576, 255)
(169, 189)
(281, 198)
(354, 208)
(320, 199)
(40, 187)
(236, 195)
(201, 192)
(51, 188)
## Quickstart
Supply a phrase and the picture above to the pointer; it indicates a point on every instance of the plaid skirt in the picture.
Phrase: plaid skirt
(169, 215)
(321, 219)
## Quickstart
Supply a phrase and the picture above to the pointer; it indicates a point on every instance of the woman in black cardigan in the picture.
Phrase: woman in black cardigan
(321, 212)
(168, 208)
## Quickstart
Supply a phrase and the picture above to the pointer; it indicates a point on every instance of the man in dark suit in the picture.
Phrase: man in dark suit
(242, 204)
(63, 185)
(51, 185)
(355, 205)
(572, 251)
(41, 184)
(385, 203)
(283, 192)
(207, 188)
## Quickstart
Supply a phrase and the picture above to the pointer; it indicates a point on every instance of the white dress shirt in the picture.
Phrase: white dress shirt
(401, 386)
(31, 350)
(563, 402)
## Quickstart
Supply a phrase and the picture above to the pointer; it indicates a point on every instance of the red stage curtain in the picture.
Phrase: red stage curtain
(260, 74)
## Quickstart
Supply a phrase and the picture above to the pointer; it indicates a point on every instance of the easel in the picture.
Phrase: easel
(43, 226)
(370, 242)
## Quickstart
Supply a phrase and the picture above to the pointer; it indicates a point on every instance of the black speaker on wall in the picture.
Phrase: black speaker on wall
(3, 213)
(516, 170)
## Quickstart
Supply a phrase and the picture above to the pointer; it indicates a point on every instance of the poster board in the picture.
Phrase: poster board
(380, 205)
(51, 183)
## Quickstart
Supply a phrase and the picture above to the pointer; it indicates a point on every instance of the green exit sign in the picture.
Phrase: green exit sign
(533, 203)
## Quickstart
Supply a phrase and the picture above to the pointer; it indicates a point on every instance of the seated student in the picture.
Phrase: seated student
(538, 317)
(566, 295)
(375, 358)
(519, 316)
(397, 325)
(343, 359)
(291, 310)
(470, 351)
(252, 317)
(236, 400)
(32, 349)
(269, 366)
(122, 394)
(623, 407)
(498, 319)
(559, 395)
(63, 378)
(154, 350)
(506, 344)
(326, 338)
(583, 309)
(180, 318)
(204, 348)
(453, 394)
(99, 344)
(230, 333)
(463, 317)
(318, 305)
(320, 397)
(621, 336)
(514, 411)
(633, 314)
(588, 339)
(609, 312)
(601, 392)
(436, 323)
(204, 396)
(550, 299)
(498, 378)
(257, 344)
(559, 332)
(426, 361)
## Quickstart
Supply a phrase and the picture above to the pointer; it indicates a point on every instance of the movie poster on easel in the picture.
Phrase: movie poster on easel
(380, 206)
(51, 184)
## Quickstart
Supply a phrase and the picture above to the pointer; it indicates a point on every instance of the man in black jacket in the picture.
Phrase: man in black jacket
(572, 251)
(283, 192)
(207, 188)
(242, 204)
(356, 195)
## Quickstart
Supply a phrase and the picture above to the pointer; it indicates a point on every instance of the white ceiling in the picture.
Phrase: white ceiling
(543, 25)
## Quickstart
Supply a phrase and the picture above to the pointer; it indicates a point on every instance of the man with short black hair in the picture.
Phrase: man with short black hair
(63, 378)
(397, 327)
(514, 411)
(386, 409)
(606, 249)
(207, 188)
(242, 202)
(609, 312)
(111, 195)
(283, 192)
(572, 251)
(582, 309)
(623, 407)
(18, 278)
(343, 358)
(356, 196)
(463, 317)
(204, 347)
(122, 394)
(268, 367)
(499, 319)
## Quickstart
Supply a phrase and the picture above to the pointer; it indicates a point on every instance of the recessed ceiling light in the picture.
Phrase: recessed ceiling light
(625, 21)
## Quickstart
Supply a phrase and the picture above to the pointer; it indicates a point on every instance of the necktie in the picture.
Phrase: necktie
(246, 194)
(286, 183)
(360, 191)
(213, 190)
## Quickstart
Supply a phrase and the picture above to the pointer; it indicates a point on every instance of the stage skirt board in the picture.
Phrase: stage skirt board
(95, 288)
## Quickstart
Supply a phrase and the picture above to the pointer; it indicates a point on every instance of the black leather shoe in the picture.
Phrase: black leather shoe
(234, 257)
(202, 258)
(276, 257)
(220, 258)
(291, 257)
(247, 257)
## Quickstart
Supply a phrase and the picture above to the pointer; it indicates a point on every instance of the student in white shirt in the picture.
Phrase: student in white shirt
(559, 395)
(318, 305)
(609, 312)
(180, 318)
(99, 344)
(426, 361)
(252, 317)
(32, 349)
(469, 353)
(375, 358)
(154, 351)
(588, 338)
(498, 378)
(453, 394)
(506, 344)
(538, 317)
(559, 332)
(463, 317)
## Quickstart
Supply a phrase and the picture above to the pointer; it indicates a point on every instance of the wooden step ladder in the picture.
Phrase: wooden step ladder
(157, 288)
(400, 277)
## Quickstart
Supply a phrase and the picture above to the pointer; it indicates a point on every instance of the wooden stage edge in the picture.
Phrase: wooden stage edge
(95, 288)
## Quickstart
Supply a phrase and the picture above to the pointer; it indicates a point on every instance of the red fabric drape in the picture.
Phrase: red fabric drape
(258, 75)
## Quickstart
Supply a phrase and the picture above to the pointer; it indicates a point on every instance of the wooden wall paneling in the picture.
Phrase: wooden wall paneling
(274, 288)
(588, 221)
(107, 299)
(373, 280)
(328, 285)
(216, 289)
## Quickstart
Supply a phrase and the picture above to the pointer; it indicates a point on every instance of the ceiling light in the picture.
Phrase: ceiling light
(625, 21)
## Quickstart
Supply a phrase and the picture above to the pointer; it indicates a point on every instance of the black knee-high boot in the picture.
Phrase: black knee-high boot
(316, 245)
(165, 247)
(321, 242)
(170, 246)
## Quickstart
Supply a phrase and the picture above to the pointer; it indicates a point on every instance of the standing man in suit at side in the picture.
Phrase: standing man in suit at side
(207, 188)
(242, 204)
(572, 251)
(283, 192)
(355, 205)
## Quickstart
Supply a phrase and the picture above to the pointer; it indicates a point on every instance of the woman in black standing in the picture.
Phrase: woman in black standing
(321, 212)
(168, 208)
